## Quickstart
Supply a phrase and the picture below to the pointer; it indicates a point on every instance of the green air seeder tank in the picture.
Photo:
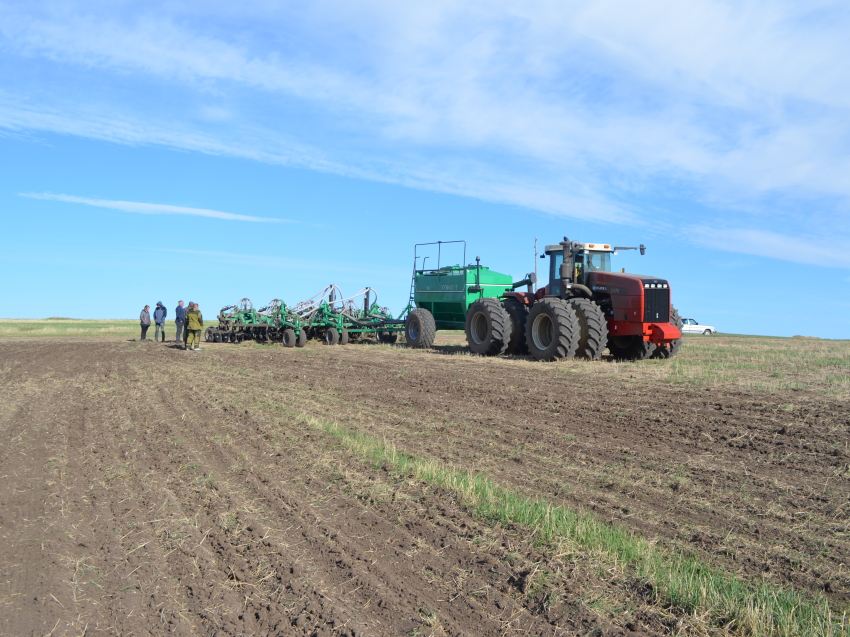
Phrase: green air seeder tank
(448, 292)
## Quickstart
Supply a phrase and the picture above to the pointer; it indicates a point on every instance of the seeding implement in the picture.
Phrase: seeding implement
(584, 309)
(326, 316)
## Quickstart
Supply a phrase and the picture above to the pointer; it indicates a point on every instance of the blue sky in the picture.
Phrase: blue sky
(212, 151)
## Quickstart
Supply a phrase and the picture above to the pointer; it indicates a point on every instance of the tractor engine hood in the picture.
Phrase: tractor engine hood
(620, 283)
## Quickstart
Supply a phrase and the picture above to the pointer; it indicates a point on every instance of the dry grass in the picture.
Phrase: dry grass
(51, 327)
(749, 363)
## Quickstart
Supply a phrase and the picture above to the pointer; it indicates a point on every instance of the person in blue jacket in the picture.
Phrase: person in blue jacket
(159, 315)
(180, 321)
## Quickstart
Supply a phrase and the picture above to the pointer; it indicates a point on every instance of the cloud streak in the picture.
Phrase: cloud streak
(152, 208)
(589, 110)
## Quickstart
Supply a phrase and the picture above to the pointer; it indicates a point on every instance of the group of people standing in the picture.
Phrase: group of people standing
(189, 322)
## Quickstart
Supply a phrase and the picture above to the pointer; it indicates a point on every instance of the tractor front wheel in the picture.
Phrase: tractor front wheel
(420, 330)
(594, 328)
(553, 330)
(630, 348)
(488, 327)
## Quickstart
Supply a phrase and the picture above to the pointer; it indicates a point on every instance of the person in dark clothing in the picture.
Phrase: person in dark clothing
(159, 315)
(145, 321)
(179, 321)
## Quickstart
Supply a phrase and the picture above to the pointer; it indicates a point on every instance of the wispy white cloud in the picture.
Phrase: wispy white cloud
(764, 243)
(151, 208)
(580, 109)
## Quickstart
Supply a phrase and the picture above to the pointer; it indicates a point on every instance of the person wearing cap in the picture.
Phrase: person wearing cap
(159, 315)
(179, 321)
(145, 321)
(194, 325)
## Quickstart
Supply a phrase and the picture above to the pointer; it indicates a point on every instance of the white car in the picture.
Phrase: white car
(690, 326)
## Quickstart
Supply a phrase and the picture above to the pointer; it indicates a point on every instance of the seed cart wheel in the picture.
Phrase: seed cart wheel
(420, 329)
(331, 336)
(594, 329)
(343, 337)
(488, 327)
(519, 316)
(301, 341)
(630, 348)
(289, 337)
(209, 334)
(553, 330)
(675, 346)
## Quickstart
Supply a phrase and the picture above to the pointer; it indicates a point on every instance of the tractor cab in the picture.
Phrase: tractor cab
(586, 257)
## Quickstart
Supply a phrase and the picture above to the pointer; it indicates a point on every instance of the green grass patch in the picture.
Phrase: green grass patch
(681, 582)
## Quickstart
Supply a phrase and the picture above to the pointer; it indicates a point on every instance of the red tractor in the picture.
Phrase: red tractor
(586, 307)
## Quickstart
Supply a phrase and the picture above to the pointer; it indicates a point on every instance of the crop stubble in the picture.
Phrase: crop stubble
(148, 490)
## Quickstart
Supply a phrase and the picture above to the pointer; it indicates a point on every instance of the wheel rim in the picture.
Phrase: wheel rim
(542, 332)
(478, 327)
(413, 330)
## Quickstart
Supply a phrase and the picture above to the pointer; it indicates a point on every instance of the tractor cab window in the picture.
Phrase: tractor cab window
(598, 261)
(555, 261)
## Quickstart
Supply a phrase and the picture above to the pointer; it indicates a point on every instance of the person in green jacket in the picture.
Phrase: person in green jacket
(194, 325)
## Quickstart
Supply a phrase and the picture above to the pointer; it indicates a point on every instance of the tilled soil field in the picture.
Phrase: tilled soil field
(149, 490)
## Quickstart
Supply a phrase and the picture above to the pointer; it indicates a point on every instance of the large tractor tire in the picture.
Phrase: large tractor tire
(630, 348)
(553, 330)
(519, 317)
(331, 336)
(488, 327)
(420, 330)
(594, 329)
(675, 346)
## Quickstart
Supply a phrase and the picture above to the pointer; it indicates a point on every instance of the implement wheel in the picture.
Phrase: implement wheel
(675, 346)
(387, 338)
(289, 337)
(519, 317)
(343, 337)
(209, 334)
(488, 327)
(331, 336)
(420, 329)
(301, 341)
(553, 330)
(594, 329)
